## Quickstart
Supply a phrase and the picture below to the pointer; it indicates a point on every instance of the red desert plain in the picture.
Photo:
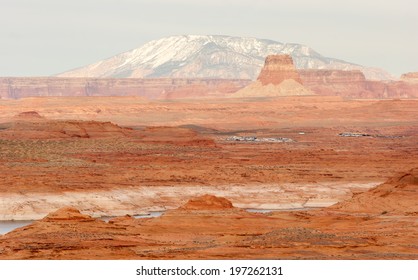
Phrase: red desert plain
(310, 164)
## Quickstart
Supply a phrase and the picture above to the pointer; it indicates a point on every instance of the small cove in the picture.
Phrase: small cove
(8, 226)
(151, 214)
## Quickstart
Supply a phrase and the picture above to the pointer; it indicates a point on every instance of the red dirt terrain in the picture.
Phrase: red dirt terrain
(339, 148)
(209, 227)
(203, 161)
(397, 197)
(141, 156)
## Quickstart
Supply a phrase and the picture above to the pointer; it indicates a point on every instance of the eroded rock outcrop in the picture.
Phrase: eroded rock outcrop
(219, 232)
(29, 115)
(208, 202)
(149, 88)
(411, 77)
(32, 126)
(334, 82)
(173, 135)
(354, 84)
(278, 77)
(67, 214)
(278, 68)
(397, 195)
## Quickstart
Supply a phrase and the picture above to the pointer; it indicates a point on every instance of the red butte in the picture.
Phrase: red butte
(278, 68)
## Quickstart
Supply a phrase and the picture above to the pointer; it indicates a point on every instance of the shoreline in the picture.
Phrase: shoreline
(142, 200)
(8, 224)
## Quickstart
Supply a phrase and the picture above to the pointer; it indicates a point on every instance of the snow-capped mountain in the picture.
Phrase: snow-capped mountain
(198, 56)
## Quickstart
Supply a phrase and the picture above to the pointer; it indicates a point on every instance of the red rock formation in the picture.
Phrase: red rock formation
(277, 78)
(278, 68)
(333, 82)
(39, 128)
(213, 88)
(207, 202)
(223, 232)
(28, 115)
(66, 214)
(410, 77)
(149, 88)
(173, 135)
(354, 84)
(396, 196)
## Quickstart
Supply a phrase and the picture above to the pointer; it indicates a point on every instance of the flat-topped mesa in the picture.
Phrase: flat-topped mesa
(277, 78)
(336, 82)
(353, 84)
(278, 68)
(314, 77)
(411, 77)
(150, 88)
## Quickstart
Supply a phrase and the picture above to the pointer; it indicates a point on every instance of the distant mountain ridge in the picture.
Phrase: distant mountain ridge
(211, 56)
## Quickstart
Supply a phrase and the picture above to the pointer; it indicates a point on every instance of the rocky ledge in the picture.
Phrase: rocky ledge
(376, 224)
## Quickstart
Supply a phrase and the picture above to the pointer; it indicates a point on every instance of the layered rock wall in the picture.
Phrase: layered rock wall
(410, 77)
(278, 68)
(149, 88)
(322, 82)
(354, 84)
(278, 77)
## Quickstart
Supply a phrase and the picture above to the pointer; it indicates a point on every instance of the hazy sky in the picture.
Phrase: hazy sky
(45, 37)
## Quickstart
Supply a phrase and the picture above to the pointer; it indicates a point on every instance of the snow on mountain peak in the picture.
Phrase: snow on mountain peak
(209, 56)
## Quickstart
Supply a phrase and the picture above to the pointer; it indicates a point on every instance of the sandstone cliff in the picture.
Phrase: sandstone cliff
(410, 77)
(278, 68)
(149, 88)
(209, 227)
(278, 77)
(322, 82)
(207, 202)
(396, 196)
(353, 84)
(31, 125)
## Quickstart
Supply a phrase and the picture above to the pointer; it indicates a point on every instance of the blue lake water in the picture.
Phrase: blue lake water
(253, 210)
(7, 226)
(151, 214)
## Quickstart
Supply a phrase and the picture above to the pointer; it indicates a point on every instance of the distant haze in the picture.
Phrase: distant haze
(46, 37)
(213, 56)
